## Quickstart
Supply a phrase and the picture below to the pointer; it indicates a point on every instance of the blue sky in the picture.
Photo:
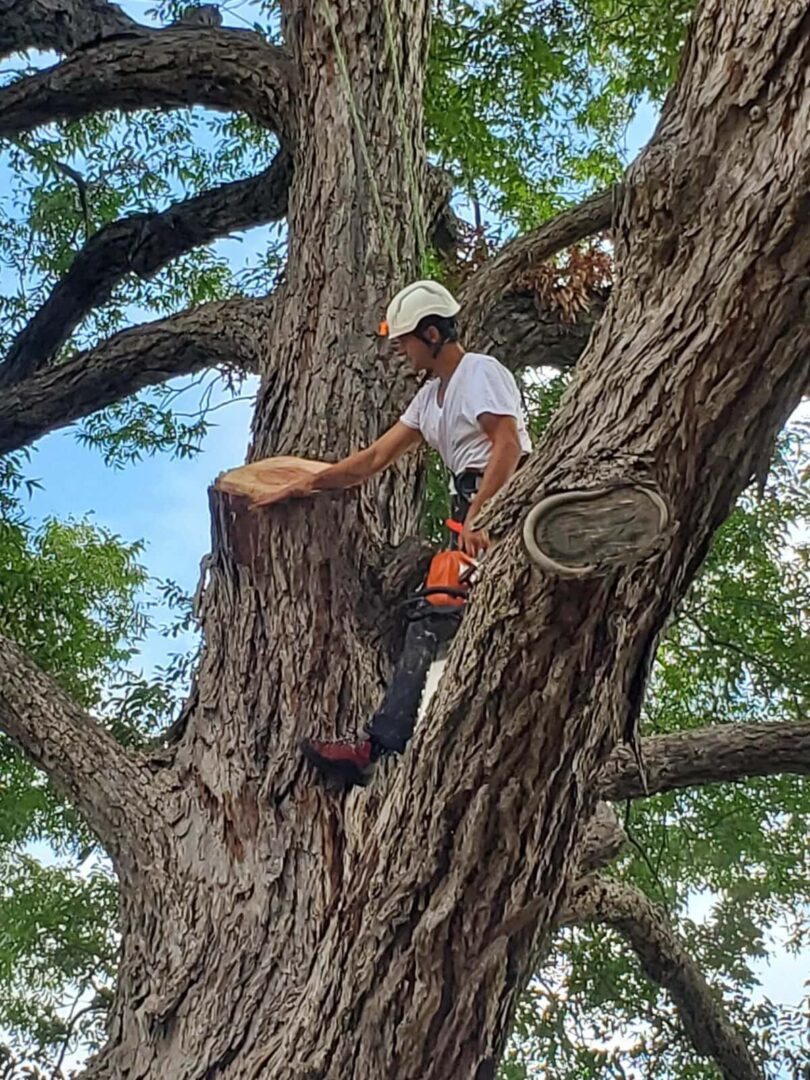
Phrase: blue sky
(164, 502)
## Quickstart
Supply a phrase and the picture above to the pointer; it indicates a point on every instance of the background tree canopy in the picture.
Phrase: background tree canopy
(527, 107)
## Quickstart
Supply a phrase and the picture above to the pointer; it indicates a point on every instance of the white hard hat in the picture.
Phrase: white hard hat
(414, 303)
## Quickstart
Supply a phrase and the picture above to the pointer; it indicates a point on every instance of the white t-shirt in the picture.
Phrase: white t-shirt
(480, 384)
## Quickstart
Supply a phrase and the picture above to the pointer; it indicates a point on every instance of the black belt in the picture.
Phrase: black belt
(465, 484)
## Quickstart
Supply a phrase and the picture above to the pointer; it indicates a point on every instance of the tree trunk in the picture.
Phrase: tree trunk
(297, 641)
(270, 928)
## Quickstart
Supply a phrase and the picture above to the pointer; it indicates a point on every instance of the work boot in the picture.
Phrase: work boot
(344, 763)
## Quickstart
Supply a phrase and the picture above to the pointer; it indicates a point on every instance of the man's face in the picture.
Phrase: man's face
(418, 353)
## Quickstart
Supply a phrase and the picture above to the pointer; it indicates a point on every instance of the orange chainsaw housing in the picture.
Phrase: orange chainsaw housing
(445, 572)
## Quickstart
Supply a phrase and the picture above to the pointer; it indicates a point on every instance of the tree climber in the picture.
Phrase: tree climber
(470, 411)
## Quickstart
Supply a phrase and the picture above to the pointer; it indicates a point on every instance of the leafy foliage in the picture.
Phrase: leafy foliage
(56, 932)
(528, 100)
(71, 594)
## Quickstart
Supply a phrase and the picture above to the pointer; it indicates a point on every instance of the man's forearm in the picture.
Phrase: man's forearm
(500, 468)
(346, 473)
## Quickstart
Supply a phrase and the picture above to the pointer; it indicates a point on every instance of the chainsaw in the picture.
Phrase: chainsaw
(446, 590)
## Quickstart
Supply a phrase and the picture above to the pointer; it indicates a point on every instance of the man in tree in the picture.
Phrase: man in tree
(470, 411)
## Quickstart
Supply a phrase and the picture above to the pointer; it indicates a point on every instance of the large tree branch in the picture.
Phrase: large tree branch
(224, 69)
(486, 290)
(83, 760)
(142, 244)
(60, 25)
(226, 332)
(710, 755)
(720, 754)
(667, 963)
(522, 332)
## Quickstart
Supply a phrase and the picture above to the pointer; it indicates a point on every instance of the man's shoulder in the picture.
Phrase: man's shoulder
(480, 358)
(485, 364)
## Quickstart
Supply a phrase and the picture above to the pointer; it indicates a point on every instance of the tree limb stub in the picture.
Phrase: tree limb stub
(710, 755)
(224, 69)
(602, 840)
(62, 26)
(666, 963)
(142, 244)
(80, 757)
(225, 332)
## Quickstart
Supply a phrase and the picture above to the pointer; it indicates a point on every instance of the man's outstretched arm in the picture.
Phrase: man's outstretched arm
(361, 466)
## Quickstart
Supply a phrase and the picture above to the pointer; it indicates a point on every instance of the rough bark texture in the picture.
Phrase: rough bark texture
(223, 69)
(710, 755)
(528, 334)
(60, 25)
(269, 927)
(604, 838)
(667, 963)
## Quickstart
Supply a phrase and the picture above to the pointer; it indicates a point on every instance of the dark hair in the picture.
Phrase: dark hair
(446, 325)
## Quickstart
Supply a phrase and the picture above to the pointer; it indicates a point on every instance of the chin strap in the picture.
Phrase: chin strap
(434, 346)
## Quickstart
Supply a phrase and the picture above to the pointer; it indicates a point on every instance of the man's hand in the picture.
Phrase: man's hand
(472, 542)
(352, 470)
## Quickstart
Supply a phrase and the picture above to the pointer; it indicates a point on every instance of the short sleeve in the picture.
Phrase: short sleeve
(493, 389)
(412, 417)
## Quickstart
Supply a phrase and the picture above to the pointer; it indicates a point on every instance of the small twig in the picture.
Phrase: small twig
(71, 1026)
(42, 158)
(646, 858)
(200, 413)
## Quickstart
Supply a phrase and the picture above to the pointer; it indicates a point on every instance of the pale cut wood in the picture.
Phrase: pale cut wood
(269, 480)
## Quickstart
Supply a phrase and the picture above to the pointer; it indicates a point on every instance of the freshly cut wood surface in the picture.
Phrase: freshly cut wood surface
(269, 480)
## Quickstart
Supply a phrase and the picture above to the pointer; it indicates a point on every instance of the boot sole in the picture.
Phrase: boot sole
(342, 773)
(579, 533)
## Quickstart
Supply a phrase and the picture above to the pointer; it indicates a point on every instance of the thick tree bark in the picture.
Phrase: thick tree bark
(603, 840)
(60, 25)
(271, 928)
(293, 642)
(524, 333)
(667, 963)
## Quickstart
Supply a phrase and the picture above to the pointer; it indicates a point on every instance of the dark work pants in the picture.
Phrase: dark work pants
(392, 725)
(429, 628)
